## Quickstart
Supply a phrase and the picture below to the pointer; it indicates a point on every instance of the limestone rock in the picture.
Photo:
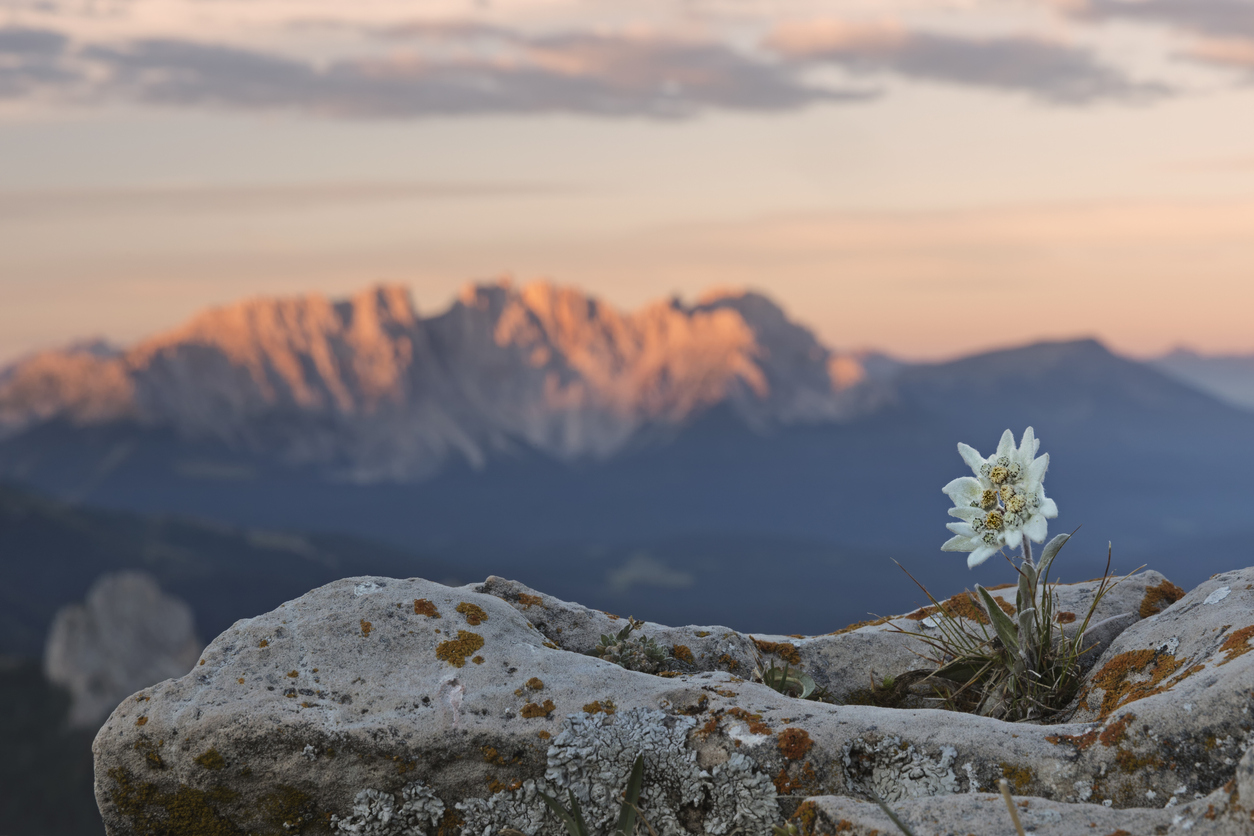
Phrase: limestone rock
(127, 635)
(382, 706)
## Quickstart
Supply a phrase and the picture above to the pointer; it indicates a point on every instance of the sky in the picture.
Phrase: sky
(926, 177)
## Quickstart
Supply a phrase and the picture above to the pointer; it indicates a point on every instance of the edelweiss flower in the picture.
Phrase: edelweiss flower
(1003, 503)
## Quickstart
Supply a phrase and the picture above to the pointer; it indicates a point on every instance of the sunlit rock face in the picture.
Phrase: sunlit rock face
(376, 391)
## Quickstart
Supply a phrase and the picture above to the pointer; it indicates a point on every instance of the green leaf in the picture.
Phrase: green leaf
(627, 818)
(1050, 552)
(573, 827)
(787, 681)
(1006, 630)
(574, 808)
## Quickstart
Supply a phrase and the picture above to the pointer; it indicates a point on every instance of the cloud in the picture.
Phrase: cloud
(61, 204)
(31, 59)
(1221, 18)
(1054, 72)
(565, 73)
(1225, 28)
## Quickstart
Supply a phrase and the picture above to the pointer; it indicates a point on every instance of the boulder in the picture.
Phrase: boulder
(384, 706)
(127, 635)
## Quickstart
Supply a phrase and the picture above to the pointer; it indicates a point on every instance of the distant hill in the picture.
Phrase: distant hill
(1229, 378)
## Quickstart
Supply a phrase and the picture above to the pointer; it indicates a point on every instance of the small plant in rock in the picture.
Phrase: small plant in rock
(573, 819)
(1026, 668)
(633, 653)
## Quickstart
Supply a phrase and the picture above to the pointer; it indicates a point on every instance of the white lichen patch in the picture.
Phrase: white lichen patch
(592, 757)
(367, 588)
(1218, 595)
(377, 813)
(743, 799)
(894, 770)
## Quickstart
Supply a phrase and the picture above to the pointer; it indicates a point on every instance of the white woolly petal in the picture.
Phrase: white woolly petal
(1049, 508)
(1014, 538)
(971, 456)
(966, 513)
(1036, 529)
(1006, 447)
(963, 490)
(961, 529)
(960, 544)
(1036, 470)
(980, 555)
(1028, 446)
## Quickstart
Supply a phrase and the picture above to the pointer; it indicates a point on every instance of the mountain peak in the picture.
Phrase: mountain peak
(369, 384)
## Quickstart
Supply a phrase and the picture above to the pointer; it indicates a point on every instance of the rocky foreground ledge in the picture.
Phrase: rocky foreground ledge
(378, 706)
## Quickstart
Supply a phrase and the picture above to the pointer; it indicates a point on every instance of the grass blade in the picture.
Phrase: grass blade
(627, 818)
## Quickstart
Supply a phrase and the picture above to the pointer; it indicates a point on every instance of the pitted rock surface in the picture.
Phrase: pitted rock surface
(381, 706)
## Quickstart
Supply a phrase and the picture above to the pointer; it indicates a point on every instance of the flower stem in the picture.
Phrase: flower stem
(1027, 552)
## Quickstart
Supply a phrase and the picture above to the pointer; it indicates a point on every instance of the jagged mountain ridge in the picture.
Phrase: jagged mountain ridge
(372, 388)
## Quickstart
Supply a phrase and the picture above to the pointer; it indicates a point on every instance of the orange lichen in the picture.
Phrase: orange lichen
(858, 625)
(1159, 597)
(293, 674)
(805, 781)
(210, 759)
(451, 824)
(1079, 741)
(529, 601)
(806, 816)
(1019, 777)
(473, 612)
(1065, 617)
(1128, 762)
(424, 607)
(701, 634)
(263, 643)
(784, 650)
(531, 710)
(241, 680)
(202, 661)
(535, 683)
(478, 660)
(1237, 644)
(456, 650)
(600, 707)
(141, 721)
(728, 662)
(543, 735)
(962, 605)
(1117, 732)
(682, 653)
(711, 726)
(366, 627)
(754, 721)
(794, 743)
(491, 755)
(1112, 679)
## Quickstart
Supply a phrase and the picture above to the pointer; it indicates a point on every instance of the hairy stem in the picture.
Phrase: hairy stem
(1027, 551)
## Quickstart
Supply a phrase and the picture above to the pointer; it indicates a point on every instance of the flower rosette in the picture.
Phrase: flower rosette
(1003, 503)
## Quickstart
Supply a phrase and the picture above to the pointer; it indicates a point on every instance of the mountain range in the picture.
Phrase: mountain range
(686, 462)
(371, 391)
